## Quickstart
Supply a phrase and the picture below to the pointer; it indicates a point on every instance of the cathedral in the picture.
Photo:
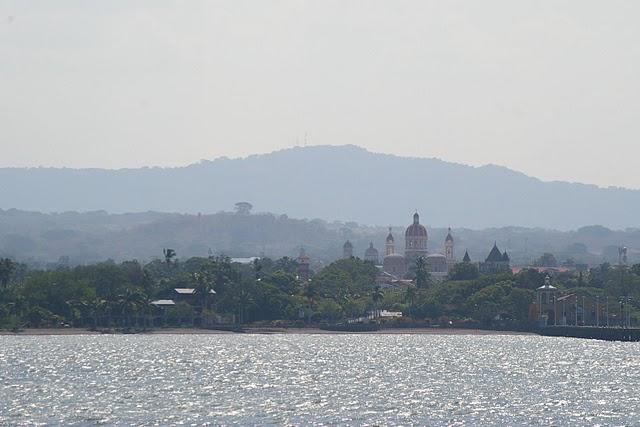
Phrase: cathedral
(396, 266)
(416, 241)
(496, 262)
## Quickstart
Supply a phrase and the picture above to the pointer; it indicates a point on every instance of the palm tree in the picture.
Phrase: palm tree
(96, 306)
(77, 310)
(7, 309)
(203, 286)
(422, 275)
(410, 297)
(6, 268)
(245, 299)
(309, 292)
(169, 254)
(110, 305)
(241, 298)
(145, 308)
(147, 281)
(16, 310)
(257, 268)
(130, 302)
(377, 295)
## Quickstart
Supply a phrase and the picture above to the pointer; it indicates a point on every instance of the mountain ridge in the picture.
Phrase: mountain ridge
(487, 166)
(331, 182)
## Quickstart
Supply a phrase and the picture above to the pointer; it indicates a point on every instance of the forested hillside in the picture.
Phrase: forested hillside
(79, 238)
(345, 182)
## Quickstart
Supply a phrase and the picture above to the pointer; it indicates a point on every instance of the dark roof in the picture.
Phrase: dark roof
(495, 255)
(505, 257)
(347, 244)
(389, 236)
(466, 258)
(449, 236)
(371, 251)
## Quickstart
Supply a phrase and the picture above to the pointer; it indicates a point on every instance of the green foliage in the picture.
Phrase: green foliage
(421, 273)
(6, 269)
(284, 282)
(517, 303)
(546, 260)
(345, 278)
(488, 301)
(427, 307)
(529, 278)
(286, 264)
(455, 293)
(169, 254)
(329, 309)
(464, 271)
(111, 295)
(410, 295)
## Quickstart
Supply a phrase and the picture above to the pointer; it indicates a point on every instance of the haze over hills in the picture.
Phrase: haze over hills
(78, 238)
(331, 182)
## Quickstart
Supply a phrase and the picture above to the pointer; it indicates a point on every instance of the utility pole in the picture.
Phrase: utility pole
(539, 306)
(628, 320)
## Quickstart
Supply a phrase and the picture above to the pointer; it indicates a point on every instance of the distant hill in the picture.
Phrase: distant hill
(78, 238)
(345, 182)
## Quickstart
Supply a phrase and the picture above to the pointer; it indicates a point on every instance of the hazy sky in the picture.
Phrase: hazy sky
(550, 88)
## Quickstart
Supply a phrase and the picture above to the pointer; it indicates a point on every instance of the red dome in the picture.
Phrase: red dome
(416, 229)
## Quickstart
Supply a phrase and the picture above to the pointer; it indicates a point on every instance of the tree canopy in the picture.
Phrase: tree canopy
(121, 295)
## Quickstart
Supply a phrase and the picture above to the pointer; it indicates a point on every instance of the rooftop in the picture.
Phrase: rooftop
(163, 302)
(189, 291)
(246, 260)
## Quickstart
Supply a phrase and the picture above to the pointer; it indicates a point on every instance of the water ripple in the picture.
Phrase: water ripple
(317, 380)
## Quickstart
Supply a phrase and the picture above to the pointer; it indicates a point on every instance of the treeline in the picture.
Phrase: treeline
(121, 295)
(71, 238)
(504, 300)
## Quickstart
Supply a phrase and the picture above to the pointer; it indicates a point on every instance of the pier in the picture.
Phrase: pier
(592, 332)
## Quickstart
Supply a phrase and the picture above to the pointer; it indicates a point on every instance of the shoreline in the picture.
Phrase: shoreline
(263, 331)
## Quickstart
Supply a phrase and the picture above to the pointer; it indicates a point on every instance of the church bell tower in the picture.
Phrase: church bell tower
(448, 250)
(389, 245)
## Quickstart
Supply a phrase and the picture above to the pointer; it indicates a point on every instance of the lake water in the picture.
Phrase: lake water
(317, 379)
